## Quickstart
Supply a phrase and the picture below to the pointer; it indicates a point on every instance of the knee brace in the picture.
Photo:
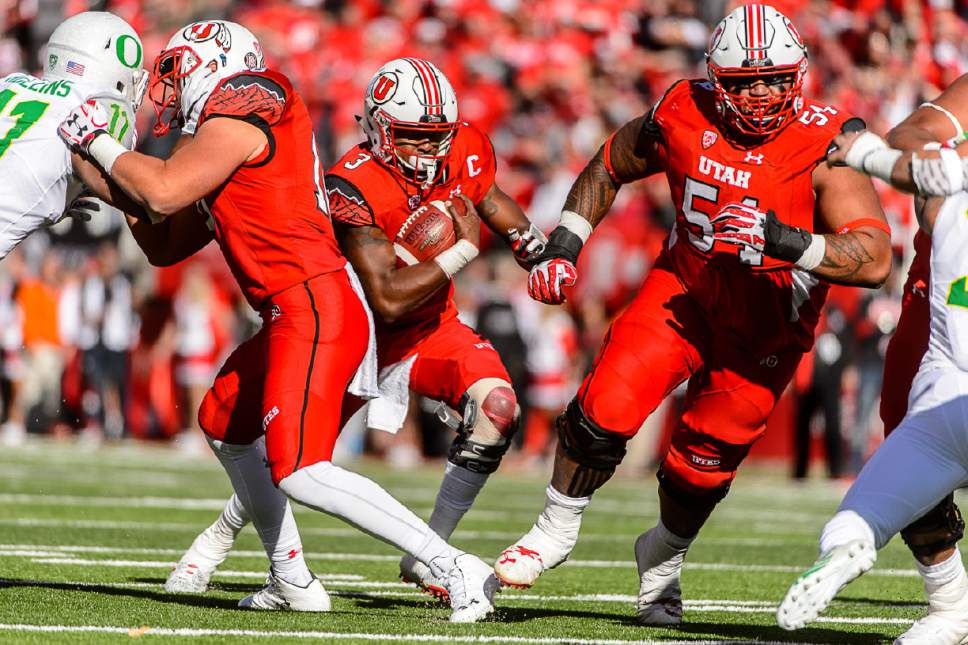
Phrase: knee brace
(490, 418)
(588, 443)
(938, 529)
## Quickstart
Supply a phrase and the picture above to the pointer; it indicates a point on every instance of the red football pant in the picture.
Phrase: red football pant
(288, 380)
(450, 359)
(662, 339)
(910, 340)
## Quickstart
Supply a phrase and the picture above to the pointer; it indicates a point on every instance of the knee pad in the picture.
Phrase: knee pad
(490, 418)
(588, 443)
(937, 530)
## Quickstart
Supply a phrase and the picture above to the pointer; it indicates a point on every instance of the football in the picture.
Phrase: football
(428, 231)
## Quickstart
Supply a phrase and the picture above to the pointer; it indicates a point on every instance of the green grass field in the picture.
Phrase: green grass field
(89, 537)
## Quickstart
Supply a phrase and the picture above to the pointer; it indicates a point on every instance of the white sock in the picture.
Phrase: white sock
(458, 490)
(946, 582)
(844, 527)
(364, 504)
(267, 507)
(666, 550)
(212, 545)
(560, 520)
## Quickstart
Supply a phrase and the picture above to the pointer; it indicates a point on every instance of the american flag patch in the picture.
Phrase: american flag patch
(75, 68)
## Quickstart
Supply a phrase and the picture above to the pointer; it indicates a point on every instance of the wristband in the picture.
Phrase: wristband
(105, 151)
(871, 155)
(814, 254)
(959, 131)
(576, 224)
(456, 257)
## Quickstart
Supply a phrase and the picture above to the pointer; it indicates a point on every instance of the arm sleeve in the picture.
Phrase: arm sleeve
(347, 204)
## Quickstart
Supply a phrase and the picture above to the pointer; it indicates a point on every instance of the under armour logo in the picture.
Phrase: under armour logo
(754, 159)
(455, 192)
(770, 361)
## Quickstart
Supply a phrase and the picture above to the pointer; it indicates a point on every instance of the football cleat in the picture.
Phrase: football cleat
(417, 573)
(817, 586)
(520, 564)
(937, 628)
(279, 595)
(471, 585)
(660, 597)
(188, 577)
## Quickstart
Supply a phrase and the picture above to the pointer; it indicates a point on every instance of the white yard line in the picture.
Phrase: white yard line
(423, 638)
(53, 554)
(604, 506)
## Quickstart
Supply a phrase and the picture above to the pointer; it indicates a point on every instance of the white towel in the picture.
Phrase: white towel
(364, 383)
(388, 411)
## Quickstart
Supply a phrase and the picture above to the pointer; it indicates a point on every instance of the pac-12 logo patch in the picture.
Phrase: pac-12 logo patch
(384, 87)
(708, 139)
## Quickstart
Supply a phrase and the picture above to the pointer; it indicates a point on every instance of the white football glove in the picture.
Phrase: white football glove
(527, 246)
(83, 125)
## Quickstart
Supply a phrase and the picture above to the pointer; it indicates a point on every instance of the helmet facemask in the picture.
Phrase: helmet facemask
(171, 69)
(758, 116)
(418, 151)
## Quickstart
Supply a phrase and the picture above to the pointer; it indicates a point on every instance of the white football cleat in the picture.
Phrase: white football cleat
(520, 564)
(417, 573)
(937, 628)
(279, 595)
(818, 585)
(660, 597)
(188, 577)
(471, 585)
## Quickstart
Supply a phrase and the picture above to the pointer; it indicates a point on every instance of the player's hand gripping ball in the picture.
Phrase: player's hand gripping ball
(428, 231)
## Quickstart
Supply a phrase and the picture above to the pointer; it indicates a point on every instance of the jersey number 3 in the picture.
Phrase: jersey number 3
(25, 113)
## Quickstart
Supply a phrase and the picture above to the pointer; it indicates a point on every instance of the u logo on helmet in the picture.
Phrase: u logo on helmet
(201, 32)
(384, 87)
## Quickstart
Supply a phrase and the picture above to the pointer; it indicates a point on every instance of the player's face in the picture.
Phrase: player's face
(420, 142)
(759, 88)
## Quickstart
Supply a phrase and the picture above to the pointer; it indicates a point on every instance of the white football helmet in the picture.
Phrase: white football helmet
(409, 98)
(756, 41)
(187, 71)
(100, 52)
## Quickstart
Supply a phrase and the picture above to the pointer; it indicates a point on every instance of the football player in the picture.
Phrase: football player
(731, 303)
(247, 160)
(417, 150)
(929, 299)
(92, 55)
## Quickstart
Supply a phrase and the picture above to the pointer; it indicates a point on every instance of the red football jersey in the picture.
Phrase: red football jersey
(364, 192)
(271, 218)
(742, 289)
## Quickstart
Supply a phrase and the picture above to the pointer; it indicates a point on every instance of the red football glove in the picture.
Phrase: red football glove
(548, 277)
(742, 225)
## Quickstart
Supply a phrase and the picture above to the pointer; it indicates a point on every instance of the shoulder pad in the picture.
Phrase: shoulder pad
(347, 204)
(248, 95)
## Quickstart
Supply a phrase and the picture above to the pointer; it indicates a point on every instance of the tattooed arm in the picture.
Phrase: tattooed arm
(631, 153)
(860, 256)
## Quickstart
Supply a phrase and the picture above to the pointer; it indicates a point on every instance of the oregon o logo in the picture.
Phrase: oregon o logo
(384, 87)
(128, 50)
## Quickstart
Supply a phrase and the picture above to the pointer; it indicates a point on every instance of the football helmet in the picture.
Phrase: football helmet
(409, 98)
(100, 52)
(756, 42)
(190, 67)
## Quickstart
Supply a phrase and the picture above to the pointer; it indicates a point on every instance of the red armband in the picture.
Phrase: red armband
(607, 158)
(864, 221)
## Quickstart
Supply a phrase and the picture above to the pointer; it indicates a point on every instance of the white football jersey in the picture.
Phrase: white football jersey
(949, 285)
(38, 180)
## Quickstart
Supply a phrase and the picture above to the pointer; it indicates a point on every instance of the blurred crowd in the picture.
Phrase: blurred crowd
(96, 341)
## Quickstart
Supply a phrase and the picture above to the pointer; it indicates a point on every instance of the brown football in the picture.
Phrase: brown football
(428, 231)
